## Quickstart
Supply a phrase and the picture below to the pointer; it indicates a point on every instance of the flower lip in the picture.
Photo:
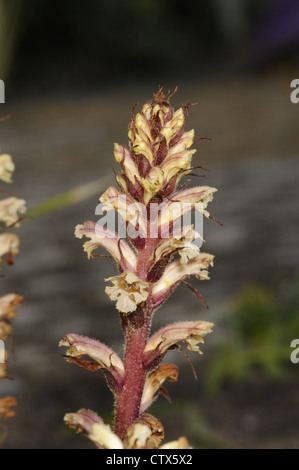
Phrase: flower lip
(103, 237)
(128, 290)
(7, 167)
(190, 332)
(154, 382)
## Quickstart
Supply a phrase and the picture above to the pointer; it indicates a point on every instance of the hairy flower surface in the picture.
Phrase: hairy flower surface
(128, 290)
(102, 237)
(157, 253)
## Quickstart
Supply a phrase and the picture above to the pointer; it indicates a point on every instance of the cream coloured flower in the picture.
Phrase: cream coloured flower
(146, 432)
(128, 291)
(181, 242)
(172, 127)
(190, 332)
(82, 345)
(154, 382)
(9, 244)
(7, 167)
(103, 435)
(181, 443)
(130, 211)
(153, 183)
(183, 202)
(10, 210)
(177, 271)
(128, 164)
(8, 304)
(102, 237)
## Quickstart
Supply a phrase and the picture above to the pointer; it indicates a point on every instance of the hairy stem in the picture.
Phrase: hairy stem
(128, 400)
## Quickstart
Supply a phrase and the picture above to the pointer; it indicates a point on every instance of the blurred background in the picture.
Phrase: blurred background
(73, 71)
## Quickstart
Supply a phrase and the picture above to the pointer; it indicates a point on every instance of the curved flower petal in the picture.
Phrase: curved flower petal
(190, 332)
(177, 163)
(10, 210)
(100, 236)
(128, 290)
(142, 126)
(129, 210)
(8, 304)
(177, 271)
(178, 157)
(9, 244)
(154, 382)
(172, 127)
(181, 443)
(183, 202)
(3, 364)
(138, 435)
(129, 167)
(106, 358)
(7, 167)
(82, 420)
(102, 435)
(182, 242)
(141, 146)
(150, 435)
(153, 183)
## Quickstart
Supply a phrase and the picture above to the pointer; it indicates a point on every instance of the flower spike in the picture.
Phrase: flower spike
(154, 256)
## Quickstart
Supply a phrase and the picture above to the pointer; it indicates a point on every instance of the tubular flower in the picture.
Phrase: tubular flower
(102, 237)
(146, 433)
(154, 382)
(128, 290)
(159, 253)
(10, 208)
(7, 168)
(189, 332)
(106, 359)
(9, 245)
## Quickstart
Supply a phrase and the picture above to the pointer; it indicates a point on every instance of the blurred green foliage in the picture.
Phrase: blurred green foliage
(261, 327)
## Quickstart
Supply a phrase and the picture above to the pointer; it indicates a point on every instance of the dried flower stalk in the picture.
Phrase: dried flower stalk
(151, 206)
(11, 211)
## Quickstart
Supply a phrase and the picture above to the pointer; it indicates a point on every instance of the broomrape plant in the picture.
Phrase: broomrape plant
(160, 256)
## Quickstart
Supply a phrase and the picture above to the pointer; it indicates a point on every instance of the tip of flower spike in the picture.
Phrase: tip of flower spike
(160, 97)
